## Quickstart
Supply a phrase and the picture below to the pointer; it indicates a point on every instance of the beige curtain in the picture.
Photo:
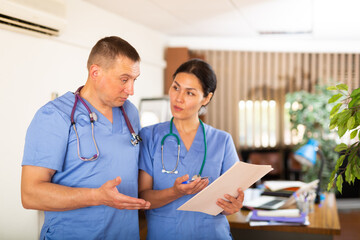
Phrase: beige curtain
(265, 77)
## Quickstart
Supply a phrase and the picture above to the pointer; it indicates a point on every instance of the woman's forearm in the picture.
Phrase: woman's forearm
(159, 198)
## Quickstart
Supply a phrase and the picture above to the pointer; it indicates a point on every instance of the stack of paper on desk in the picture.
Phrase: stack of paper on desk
(283, 185)
(240, 175)
(278, 217)
(268, 201)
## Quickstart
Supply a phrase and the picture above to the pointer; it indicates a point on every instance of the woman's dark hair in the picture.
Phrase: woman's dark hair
(203, 71)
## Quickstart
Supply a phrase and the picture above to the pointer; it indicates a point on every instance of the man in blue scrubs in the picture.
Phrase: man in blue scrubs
(82, 199)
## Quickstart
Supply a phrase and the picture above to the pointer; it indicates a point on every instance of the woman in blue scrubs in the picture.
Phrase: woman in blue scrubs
(161, 176)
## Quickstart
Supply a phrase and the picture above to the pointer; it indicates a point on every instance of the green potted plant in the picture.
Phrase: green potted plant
(345, 117)
(312, 115)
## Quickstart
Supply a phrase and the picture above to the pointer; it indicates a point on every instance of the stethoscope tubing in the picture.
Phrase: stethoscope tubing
(95, 156)
(178, 154)
(135, 139)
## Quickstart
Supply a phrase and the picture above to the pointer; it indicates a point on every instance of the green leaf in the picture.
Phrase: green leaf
(335, 98)
(352, 155)
(331, 88)
(331, 181)
(339, 183)
(332, 176)
(353, 134)
(352, 173)
(341, 160)
(352, 179)
(341, 147)
(351, 122)
(356, 171)
(344, 116)
(342, 130)
(355, 93)
(335, 116)
(355, 101)
(335, 109)
(348, 173)
(357, 114)
(342, 86)
(338, 164)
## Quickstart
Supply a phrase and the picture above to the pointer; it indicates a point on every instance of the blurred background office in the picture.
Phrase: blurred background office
(263, 52)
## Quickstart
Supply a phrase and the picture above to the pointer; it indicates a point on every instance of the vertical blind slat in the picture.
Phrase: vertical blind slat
(349, 70)
(258, 76)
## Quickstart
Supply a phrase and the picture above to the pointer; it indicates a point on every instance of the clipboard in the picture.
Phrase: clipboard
(240, 175)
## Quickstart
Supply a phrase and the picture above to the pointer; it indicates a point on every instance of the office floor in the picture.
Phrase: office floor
(349, 222)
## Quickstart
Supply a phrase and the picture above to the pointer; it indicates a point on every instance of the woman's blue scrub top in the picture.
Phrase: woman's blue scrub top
(166, 222)
(51, 143)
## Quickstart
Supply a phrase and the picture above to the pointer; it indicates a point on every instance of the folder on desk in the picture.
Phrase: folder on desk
(300, 219)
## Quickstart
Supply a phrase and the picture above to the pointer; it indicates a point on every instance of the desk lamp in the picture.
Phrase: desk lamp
(306, 155)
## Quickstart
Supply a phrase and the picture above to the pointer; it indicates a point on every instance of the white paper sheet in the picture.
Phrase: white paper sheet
(279, 185)
(240, 175)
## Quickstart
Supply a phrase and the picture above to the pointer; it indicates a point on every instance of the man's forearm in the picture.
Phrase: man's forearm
(53, 197)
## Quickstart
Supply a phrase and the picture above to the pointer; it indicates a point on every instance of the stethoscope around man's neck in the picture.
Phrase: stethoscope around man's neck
(135, 139)
(175, 171)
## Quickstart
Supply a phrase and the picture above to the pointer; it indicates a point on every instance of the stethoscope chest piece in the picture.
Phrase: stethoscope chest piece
(136, 139)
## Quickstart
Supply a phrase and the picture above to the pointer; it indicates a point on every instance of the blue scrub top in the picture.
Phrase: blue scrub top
(51, 143)
(166, 222)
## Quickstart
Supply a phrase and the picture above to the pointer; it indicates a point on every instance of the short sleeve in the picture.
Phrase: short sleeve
(146, 158)
(231, 156)
(46, 139)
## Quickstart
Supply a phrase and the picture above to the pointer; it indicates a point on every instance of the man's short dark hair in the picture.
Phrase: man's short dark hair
(106, 50)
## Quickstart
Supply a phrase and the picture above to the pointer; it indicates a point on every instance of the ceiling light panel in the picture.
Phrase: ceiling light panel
(149, 14)
(195, 10)
(278, 15)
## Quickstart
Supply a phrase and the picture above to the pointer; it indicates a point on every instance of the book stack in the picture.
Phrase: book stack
(290, 217)
(281, 188)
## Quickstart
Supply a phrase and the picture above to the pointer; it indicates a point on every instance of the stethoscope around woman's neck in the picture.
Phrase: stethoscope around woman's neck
(135, 139)
(175, 171)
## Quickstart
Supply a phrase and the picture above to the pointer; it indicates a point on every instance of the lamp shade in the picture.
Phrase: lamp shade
(306, 155)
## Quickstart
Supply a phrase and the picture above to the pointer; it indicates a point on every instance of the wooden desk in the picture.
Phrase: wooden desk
(324, 223)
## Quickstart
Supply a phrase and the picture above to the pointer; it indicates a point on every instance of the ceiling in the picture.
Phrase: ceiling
(242, 18)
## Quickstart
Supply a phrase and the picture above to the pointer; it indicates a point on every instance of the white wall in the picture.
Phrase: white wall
(31, 68)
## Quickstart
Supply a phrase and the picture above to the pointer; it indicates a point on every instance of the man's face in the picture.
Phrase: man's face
(116, 83)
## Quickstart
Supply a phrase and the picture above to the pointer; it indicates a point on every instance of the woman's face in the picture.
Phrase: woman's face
(186, 96)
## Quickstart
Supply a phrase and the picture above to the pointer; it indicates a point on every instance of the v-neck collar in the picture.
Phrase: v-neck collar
(118, 118)
(197, 144)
